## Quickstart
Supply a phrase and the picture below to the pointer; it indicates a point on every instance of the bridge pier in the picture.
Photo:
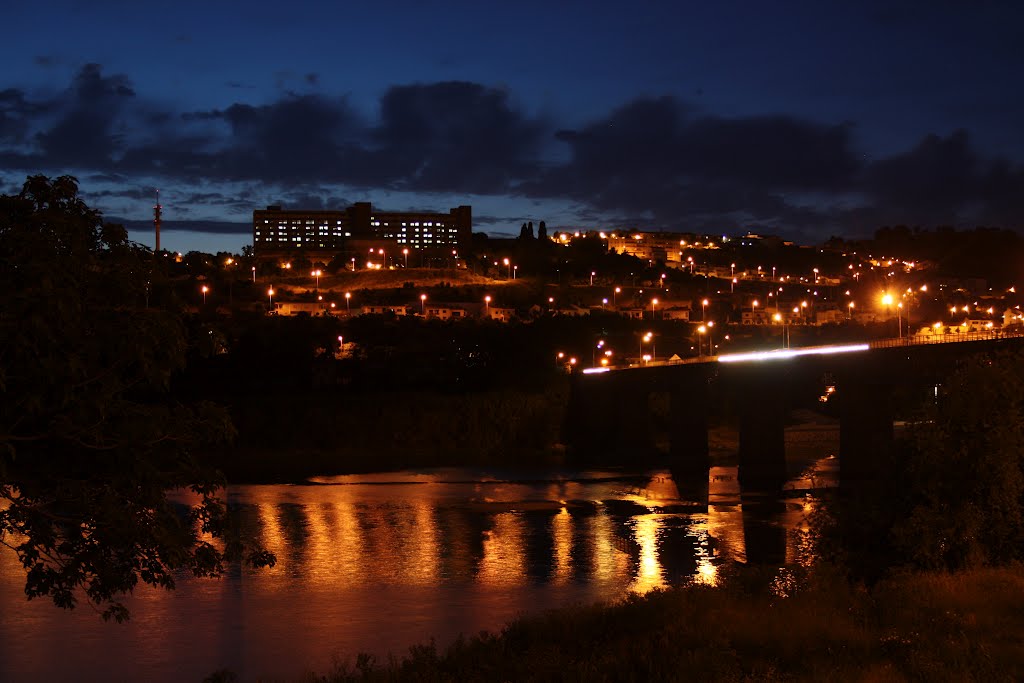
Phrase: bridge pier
(866, 436)
(604, 422)
(688, 431)
(762, 424)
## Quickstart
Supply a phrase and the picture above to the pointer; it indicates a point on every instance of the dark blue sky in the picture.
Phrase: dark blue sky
(801, 118)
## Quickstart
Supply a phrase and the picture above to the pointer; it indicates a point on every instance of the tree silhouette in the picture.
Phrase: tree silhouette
(90, 439)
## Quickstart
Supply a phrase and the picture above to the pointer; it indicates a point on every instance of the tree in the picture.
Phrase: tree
(91, 441)
(953, 493)
(542, 231)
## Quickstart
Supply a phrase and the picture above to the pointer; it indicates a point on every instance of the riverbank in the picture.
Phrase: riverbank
(756, 626)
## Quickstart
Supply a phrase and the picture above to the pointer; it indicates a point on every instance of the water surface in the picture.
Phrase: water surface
(375, 563)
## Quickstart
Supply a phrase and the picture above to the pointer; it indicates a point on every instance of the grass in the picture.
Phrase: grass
(921, 627)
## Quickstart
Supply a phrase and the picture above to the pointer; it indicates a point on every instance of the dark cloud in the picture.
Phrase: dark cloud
(208, 227)
(84, 133)
(453, 136)
(655, 162)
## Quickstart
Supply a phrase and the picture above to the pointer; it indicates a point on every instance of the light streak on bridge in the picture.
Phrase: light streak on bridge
(781, 354)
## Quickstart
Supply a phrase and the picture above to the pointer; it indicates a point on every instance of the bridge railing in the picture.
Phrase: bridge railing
(924, 339)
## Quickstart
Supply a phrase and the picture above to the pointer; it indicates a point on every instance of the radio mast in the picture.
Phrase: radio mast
(156, 222)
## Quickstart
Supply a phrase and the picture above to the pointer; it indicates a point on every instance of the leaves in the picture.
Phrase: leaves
(91, 441)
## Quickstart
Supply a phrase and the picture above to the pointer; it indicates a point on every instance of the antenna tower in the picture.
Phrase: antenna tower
(156, 222)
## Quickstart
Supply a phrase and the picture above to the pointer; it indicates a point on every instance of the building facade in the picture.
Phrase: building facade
(360, 228)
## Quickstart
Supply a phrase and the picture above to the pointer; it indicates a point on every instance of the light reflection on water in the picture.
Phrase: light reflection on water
(376, 563)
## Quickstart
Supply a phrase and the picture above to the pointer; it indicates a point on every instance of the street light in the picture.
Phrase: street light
(649, 337)
(254, 273)
(850, 313)
(703, 309)
(316, 274)
(654, 302)
(487, 305)
(204, 289)
(887, 302)
(515, 270)
(348, 302)
(615, 295)
(423, 304)
(270, 293)
(701, 331)
(779, 319)
(592, 273)
(405, 253)
(508, 265)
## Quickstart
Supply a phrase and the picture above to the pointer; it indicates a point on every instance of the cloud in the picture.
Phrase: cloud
(203, 226)
(658, 160)
(655, 161)
(453, 137)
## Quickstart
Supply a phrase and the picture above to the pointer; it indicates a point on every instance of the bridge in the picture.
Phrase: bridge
(609, 415)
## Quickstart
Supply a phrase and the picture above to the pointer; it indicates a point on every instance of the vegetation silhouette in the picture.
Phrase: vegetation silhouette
(90, 439)
(952, 495)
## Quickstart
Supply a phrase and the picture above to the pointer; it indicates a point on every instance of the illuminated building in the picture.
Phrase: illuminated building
(357, 229)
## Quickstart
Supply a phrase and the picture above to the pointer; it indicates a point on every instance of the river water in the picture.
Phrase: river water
(376, 563)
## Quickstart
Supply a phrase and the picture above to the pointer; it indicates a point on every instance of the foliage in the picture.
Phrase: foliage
(953, 494)
(90, 442)
(916, 627)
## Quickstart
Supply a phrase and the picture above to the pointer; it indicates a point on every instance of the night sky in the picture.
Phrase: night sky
(806, 119)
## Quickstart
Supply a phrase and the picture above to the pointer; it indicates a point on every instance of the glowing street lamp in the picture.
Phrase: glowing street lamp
(702, 330)
(703, 309)
(615, 295)
(654, 302)
(487, 305)
(515, 270)
(732, 286)
(254, 274)
(508, 265)
(204, 289)
(779, 319)
(405, 253)
(270, 294)
(887, 302)
(317, 273)
(849, 314)
(348, 302)
(423, 304)
(592, 274)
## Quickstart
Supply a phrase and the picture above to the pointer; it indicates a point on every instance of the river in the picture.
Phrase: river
(376, 563)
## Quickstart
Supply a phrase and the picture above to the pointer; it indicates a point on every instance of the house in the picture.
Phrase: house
(445, 312)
